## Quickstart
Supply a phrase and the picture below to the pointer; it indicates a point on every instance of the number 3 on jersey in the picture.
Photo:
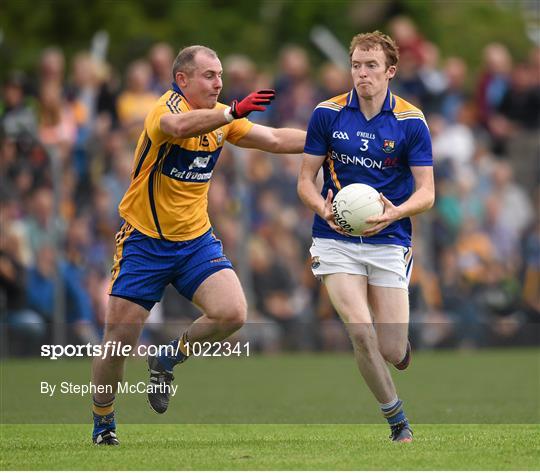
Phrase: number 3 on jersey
(364, 146)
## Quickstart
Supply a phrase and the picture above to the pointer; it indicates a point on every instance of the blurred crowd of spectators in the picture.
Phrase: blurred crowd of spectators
(476, 279)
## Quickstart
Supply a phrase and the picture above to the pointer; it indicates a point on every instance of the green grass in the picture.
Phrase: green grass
(272, 447)
(470, 411)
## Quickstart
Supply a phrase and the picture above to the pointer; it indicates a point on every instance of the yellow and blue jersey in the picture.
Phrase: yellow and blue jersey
(168, 194)
(378, 152)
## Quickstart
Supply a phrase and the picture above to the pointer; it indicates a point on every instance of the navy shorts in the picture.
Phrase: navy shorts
(143, 266)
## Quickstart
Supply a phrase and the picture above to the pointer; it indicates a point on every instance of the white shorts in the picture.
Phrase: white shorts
(384, 265)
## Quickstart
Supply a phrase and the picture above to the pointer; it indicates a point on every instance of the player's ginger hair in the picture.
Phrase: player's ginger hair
(376, 40)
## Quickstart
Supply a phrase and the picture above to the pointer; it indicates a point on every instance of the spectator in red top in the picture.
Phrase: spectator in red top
(493, 81)
(408, 39)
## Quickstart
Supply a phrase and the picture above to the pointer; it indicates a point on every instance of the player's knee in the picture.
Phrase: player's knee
(392, 353)
(237, 315)
(119, 335)
(232, 315)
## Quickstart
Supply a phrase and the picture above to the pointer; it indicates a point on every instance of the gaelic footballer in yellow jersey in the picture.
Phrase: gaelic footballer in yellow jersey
(167, 198)
(167, 237)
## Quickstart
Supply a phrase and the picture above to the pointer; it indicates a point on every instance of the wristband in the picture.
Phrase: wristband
(227, 114)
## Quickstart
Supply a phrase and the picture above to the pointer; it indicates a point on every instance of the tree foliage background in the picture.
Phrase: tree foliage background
(258, 28)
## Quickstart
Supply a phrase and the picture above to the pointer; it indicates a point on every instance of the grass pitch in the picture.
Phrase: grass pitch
(469, 411)
(272, 447)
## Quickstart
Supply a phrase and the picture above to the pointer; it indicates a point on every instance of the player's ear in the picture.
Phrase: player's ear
(391, 71)
(181, 79)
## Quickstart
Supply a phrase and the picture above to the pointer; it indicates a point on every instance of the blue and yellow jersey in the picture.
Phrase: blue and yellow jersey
(168, 194)
(378, 152)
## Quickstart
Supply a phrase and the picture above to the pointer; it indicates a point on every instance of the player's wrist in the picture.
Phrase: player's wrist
(237, 110)
(324, 212)
(227, 113)
(399, 213)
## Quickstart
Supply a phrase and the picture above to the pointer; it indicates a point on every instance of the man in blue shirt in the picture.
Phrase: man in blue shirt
(370, 136)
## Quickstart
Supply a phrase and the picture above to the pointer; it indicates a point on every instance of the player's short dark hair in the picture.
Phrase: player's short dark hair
(376, 40)
(185, 61)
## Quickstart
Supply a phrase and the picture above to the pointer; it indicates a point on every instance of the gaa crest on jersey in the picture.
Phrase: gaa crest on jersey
(315, 263)
(388, 146)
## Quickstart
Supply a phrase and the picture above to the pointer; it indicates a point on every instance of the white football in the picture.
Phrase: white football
(353, 205)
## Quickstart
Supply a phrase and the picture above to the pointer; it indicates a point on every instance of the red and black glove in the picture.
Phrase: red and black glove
(255, 101)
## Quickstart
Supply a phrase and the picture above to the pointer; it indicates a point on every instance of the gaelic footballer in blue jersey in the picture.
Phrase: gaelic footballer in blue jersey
(369, 135)
(378, 152)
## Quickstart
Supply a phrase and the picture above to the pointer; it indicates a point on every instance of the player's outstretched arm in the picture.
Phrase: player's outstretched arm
(274, 140)
(192, 123)
(198, 122)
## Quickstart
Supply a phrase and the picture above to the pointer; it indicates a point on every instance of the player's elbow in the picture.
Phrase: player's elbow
(286, 140)
(274, 144)
(426, 199)
(180, 130)
(430, 201)
(173, 126)
(301, 188)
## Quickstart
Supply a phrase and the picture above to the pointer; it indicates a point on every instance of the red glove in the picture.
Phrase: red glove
(253, 102)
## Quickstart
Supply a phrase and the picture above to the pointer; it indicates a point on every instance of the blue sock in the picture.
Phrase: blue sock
(103, 416)
(102, 423)
(393, 412)
(172, 356)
